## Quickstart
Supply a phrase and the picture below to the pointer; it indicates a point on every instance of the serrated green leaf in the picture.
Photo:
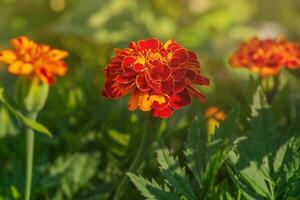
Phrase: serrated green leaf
(25, 120)
(253, 163)
(261, 163)
(291, 162)
(174, 174)
(204, 159)
(227, 135)
(259, 102)
(151, 190)
(279, 157)
(246, 172)
(248, 191)
(253, 175)
(228, 128)
(195, 150)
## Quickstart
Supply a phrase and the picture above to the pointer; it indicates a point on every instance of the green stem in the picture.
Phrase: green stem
(146, 142)
(29, 157)
(239, 195)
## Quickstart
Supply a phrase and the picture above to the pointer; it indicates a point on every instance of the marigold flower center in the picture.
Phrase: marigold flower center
(144, 58)
(157, 56)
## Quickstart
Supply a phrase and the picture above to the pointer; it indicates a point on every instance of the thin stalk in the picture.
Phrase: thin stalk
(146, 142)
(29, 157)
(239, 195)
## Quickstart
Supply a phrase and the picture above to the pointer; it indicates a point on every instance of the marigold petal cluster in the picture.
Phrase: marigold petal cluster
(266, 57)
(32, 59)
(160, 77)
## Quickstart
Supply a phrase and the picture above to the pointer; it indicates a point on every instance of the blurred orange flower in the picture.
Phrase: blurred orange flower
(32, 59)
(160, 77)
(216, 113)
(266, 57)
(214, 116)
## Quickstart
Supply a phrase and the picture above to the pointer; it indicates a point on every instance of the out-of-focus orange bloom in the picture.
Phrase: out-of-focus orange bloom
(214, 116)
(32, 59)
(160, 77)
(266, 57)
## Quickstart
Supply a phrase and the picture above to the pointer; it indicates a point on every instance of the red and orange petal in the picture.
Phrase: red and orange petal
(160, 77)
(32, 59)
(266, 57)
(213, 112)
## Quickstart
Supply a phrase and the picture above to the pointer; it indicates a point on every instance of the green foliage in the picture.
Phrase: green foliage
(265, 166)
(173, 174)
(261, 160)
(14, 194)
(151, 189)
(75, 172)
(204, 159)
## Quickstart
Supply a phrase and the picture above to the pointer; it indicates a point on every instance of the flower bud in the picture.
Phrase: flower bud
(31, 94)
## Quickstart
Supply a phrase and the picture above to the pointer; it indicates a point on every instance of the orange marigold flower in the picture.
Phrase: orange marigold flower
(215, 113)
(266, 57)
(159, 76)
(214, 116)
(32, 59)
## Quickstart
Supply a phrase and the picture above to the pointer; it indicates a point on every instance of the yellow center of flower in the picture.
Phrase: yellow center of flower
(144, 58)
(157, 56)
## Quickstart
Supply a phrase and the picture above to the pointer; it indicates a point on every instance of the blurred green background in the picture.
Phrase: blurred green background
(95, 139)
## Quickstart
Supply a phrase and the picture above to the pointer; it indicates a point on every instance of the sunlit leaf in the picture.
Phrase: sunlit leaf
(151, 190)
(174, 174)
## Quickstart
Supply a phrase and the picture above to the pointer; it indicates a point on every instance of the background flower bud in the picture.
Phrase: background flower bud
(31, 94)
